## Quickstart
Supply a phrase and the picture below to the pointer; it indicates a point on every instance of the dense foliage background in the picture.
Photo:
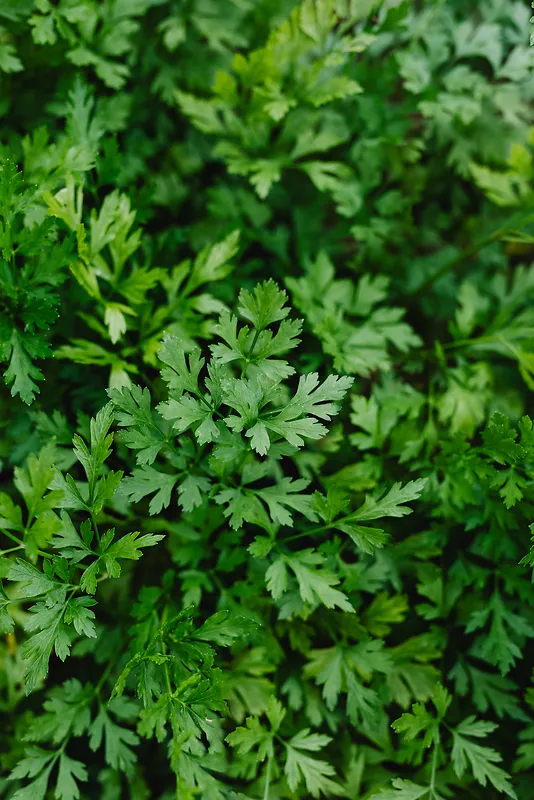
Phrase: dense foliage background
(267, 333)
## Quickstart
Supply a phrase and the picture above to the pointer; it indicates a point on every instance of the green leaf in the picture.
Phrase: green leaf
(9, 61)
(6, 623)
(256, 347)
(500, 644)
(214, 262)
(78, 614)
(254, 735)
(366, 539)
(264, 306)
(33, 582)
(243, 504)
(315, 585)
(287, 494)
(482, 760)
(403, 790)
(224, 628)
(420, 721)
(392, 504)
(21, 373)
(92, 458)
(133, 411)
(36, 764)
(129, 546)
(118, 740)
(68, 540)
(147, 480)
(10, 514)
(33, 481)
(52, 634)
(188, 411)
(191, 492)
(311, 397)
(70, 771)
(181, 374)
(316, 774)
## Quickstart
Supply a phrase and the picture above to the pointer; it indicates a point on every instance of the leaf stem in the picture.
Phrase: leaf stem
(22, 545)
(470, 342)
(309, 532)
(267, 779)
(164, 616)
(95, 526)
(453, 263)
(105, 674)
(434, 769)
(11, 550)
(249, 354)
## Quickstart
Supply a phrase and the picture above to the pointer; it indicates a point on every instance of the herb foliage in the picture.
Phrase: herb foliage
(267, 452)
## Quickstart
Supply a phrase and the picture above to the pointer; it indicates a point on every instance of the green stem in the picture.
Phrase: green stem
(13, 537)
(470, 342)
(320, 529)
(249, 354)
(105, 674)
(11, 550)
(434, 769)
(201, 397)
(310, 532)
(164, 616)
(21, 544)
(451, 265)
(95, 526)
(31, 599)
(267, 780)
(149, 382)
(167, 678)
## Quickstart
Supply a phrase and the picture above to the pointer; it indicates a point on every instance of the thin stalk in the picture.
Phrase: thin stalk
(164, 616)
(250, 352)
(105, 675)
(21, 544)
(310, 532)
(451, 265)
(267, 780)
(13, 537)
(31, 599)
(434, 769)
(470, 342)
(167, 679)
(95, 526)
(11, 550)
